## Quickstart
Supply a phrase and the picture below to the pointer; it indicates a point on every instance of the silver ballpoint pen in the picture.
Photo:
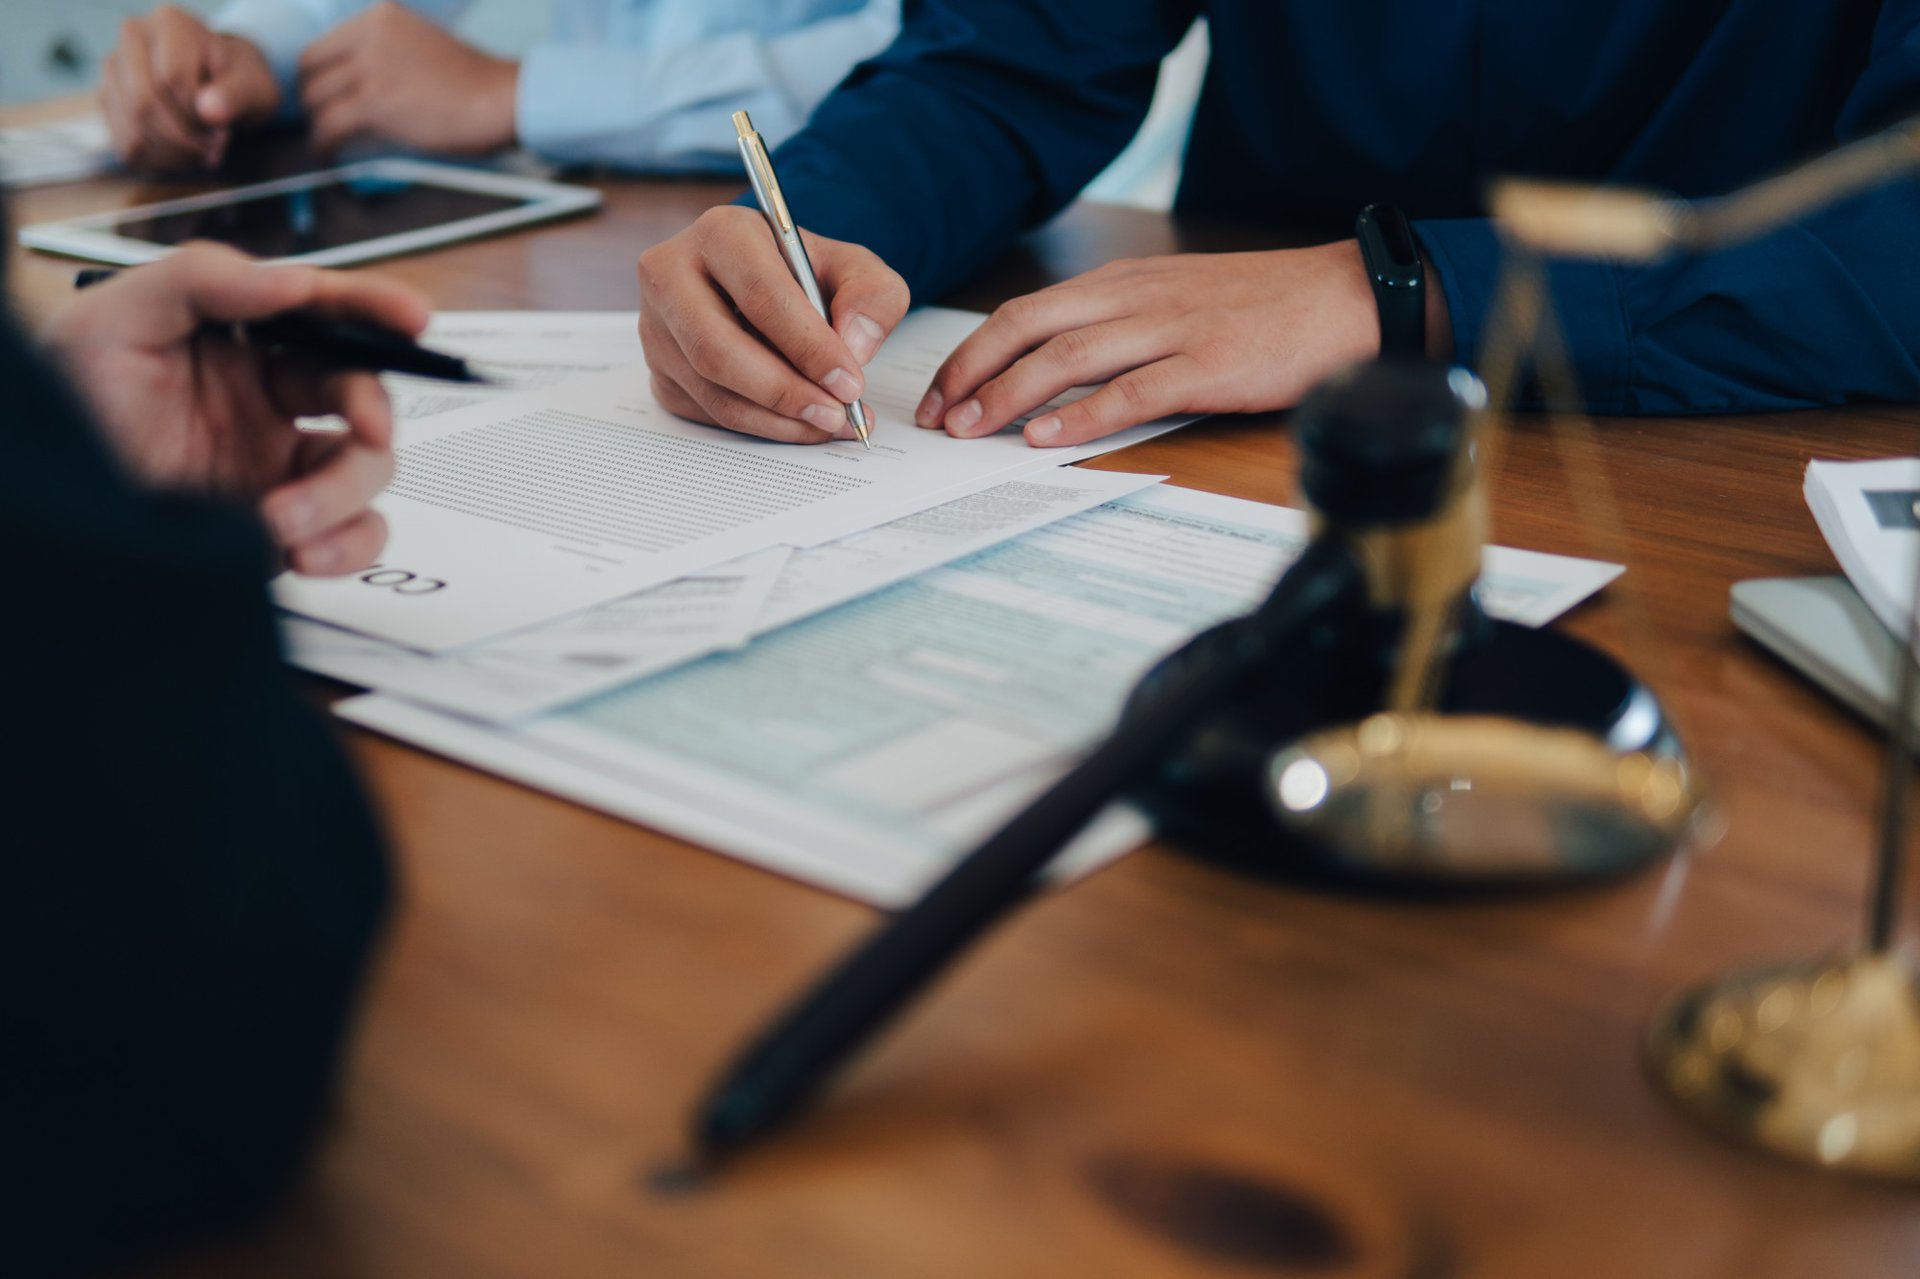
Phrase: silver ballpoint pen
(766, 190)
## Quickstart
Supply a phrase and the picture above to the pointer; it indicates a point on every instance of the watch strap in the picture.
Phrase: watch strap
(1398, 275)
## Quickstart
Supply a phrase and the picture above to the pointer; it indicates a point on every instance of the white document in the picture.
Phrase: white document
(866, 748)
(58, 151)
(512, 512)
(518, 351)
(520, 675)
(1869, 512)
(515, 350)
(611, 644)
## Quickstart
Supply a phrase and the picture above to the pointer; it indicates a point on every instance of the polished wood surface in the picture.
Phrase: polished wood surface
(1163, 1069)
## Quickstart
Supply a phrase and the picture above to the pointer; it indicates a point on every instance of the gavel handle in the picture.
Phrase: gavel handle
(796, 1055)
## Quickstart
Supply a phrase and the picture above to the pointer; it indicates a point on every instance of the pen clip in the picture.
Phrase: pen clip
(760, 168)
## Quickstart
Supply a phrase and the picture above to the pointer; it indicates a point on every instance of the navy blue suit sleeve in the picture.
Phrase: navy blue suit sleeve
(190, 879)
(1825, 311)
(983, 119)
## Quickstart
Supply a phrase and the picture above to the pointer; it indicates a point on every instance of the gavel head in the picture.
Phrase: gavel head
(1389, 460)
(1402, 740)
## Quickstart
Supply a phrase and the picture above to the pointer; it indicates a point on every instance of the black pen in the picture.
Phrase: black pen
(345, 344)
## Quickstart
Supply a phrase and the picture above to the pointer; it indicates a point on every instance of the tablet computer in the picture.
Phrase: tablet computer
(372, 209)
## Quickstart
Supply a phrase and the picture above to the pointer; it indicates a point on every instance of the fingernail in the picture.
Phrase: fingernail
(823, 418)
(1044, 430)
(320, 560)
(844, 386)
(290, 519)
(928, 414)
(964, 418)
(863, 337)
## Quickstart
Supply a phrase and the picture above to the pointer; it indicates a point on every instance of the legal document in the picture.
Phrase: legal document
(564, 661)
(865, 748)
(511, 512)
(557, 663)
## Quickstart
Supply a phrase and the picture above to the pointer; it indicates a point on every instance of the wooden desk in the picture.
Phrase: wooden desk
(1136, 1067)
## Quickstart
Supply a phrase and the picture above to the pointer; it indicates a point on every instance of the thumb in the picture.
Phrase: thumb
(239, 89)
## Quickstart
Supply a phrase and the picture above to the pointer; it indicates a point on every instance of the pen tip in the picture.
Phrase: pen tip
(678, 1177)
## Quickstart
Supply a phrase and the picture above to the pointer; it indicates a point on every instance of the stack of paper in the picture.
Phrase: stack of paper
(865, 748)
(576, 656)
(904, 648)
(1869, 513)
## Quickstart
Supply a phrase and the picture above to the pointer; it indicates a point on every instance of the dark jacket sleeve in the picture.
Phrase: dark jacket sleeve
(983, 119)
(1824, 311)
(190, 879)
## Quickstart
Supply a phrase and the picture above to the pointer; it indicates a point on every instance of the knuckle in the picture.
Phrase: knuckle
(788, 401)
(1134, 391)
(704, 354)
(896, 297)
(716, 222)
(1210, 349)
(1070, 351)
(1019, 313)
(763, 296)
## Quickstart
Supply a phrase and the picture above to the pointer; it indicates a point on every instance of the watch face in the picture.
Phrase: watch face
(1386, 243)
(1397, 236)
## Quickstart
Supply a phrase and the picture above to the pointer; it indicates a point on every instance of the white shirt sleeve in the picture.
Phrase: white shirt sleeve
(282, 29)
(668, 110)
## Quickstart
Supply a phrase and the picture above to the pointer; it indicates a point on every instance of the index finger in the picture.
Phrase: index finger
(206, 282)
(1014, 329)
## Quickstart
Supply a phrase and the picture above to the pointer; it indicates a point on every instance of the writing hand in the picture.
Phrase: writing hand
(732, 340)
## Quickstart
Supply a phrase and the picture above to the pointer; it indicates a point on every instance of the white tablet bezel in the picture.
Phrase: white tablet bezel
(92, 236)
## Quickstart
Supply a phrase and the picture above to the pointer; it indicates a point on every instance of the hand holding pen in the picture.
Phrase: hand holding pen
(185, 408)
(773, 205)
(733, 339)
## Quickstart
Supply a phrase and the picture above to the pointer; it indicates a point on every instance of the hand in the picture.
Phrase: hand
(1193, 333)
(732, 340)
(174, 90)
(187, 409)
(391, 74)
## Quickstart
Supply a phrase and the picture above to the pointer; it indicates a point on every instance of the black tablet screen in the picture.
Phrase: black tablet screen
(326, 216)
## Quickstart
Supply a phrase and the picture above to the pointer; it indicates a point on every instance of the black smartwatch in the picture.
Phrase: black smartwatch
(1398, 276)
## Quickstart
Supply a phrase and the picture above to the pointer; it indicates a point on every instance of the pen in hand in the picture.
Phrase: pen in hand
(773, 204)
(344, 344)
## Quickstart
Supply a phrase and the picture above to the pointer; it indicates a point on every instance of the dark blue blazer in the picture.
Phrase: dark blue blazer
(190, 880)
(988, 116)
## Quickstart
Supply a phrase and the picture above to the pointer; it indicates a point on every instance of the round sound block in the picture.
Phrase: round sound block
(1217, 799)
